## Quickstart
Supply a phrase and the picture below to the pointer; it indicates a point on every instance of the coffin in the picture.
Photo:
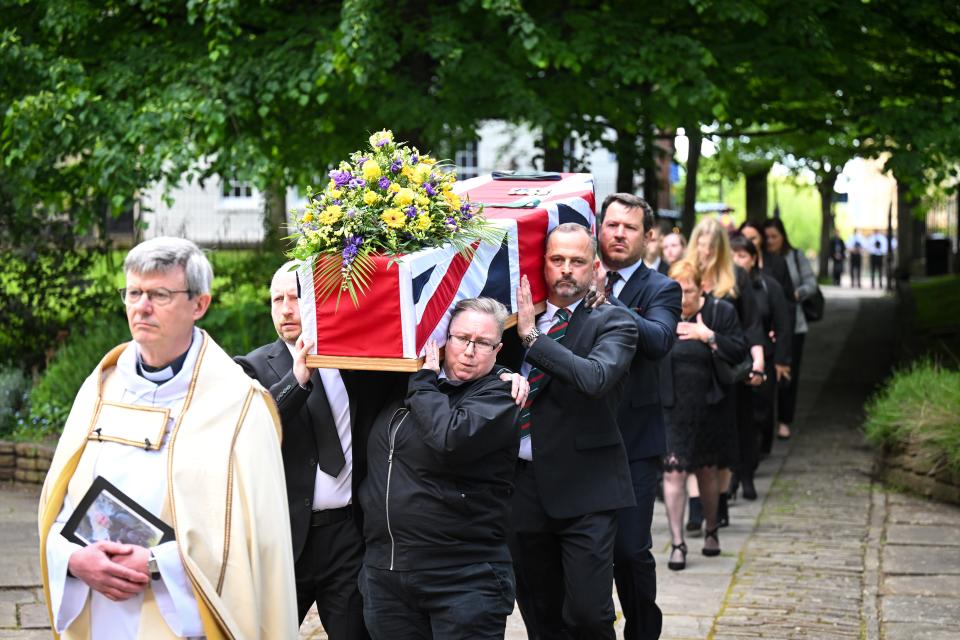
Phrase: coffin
(410, 297)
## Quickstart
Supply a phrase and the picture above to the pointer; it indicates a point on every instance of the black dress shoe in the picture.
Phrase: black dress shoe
(749, 491)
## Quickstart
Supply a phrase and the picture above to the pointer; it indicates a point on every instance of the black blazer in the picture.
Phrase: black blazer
(653, 301)
(579, 460)
(300, 412)
(663, 267)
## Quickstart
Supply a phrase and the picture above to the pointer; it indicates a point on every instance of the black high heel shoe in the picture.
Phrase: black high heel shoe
(712, 533)
(678, 566)
(749, 490)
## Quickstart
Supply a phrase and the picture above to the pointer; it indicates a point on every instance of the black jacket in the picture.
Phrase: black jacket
(440, 467)
(653, 301)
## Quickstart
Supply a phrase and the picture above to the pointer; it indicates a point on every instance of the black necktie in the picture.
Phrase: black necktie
(330, 457)
(612, 278)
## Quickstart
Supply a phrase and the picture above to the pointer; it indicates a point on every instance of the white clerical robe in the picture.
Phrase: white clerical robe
(229, 573)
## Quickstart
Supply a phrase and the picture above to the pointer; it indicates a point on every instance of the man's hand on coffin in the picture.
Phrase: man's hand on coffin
(300, 370)
(106, 567)
(519, 387)
(432, 356)
(594, 298)
(526, 315)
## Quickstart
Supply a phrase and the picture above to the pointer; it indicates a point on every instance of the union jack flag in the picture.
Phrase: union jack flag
(409, 301)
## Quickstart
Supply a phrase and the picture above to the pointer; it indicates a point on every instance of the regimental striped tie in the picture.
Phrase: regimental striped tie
(535, 377)
(612, 278)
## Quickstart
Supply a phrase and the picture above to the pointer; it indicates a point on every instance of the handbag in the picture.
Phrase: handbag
(813, 306)
(728, 373)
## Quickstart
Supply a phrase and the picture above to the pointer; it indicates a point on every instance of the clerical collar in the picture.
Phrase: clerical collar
(160, 375)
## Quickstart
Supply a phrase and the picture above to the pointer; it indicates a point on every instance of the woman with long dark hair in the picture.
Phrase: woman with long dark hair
(757, 421)
(804, 286)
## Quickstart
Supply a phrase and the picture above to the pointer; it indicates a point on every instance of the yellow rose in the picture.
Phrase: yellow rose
(423, 222)
(404, 197)
(393, 218)
(394, 187)
(371, 170)
(331, 214)
(370, 198)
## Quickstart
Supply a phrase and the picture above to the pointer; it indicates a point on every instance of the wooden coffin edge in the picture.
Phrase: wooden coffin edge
(365, 363)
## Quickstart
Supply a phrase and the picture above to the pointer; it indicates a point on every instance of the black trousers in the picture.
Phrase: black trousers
(876, 270)
(564, 569)
(856, 268)
(787, 394)
(634, 568)
(464, 602)
(326, 573)
(765, 409)
(837, 271)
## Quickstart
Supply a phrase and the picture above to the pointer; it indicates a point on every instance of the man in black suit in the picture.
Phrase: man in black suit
(652, 248)
(572, 474)
(653, 302)
(323, 457)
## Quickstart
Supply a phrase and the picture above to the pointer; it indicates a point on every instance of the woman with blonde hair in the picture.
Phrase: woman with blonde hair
(710, 255)
(699, 410)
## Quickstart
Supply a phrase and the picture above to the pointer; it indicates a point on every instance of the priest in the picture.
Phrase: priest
(174, 424)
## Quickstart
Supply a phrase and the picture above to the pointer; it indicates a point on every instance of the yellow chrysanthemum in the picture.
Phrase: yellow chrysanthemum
(334, 193)
(393, 218)
(370, 197)
(407, 172)
(423, 222)
(423, 201)
(394, 187)
(404, 197)
(371, 170)
(452, 198)
(421, 173)
(331, 185)
(331, 214)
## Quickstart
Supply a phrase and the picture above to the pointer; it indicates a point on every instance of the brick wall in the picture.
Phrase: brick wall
(917, 470)
(24, 462)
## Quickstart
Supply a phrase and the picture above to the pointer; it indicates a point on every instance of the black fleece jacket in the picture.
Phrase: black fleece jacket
(440, 475)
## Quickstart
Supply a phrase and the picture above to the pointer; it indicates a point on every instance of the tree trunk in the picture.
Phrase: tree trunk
(275, 225)
(827, 181)
(756, 187)
(904, 230)
(626, 150)
(651, 184)
(552, 154)
(688, 218)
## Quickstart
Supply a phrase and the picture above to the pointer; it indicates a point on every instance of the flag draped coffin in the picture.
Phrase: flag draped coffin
(410, 297)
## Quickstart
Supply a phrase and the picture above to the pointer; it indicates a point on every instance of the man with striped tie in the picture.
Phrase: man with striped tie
(572, 473)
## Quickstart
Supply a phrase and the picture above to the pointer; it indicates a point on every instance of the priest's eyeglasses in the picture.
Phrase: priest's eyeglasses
(481, 346)
(159, 297)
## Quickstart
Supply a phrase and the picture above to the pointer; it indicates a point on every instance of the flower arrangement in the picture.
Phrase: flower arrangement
(386, 200)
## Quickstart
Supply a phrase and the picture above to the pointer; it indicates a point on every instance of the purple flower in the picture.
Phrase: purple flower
(357, 183)
(414, 159)
(351, 213)
(465, 210)
(452, 224)
(337, 201)
(429, 189)
(361, 160)
(395, 166)
(350, 249)
(384, 183)
(411, 211)
(340, 178)
(382, 142)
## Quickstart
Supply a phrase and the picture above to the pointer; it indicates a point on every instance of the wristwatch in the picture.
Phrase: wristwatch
(712, 340)
(153, 567)
(528, 339)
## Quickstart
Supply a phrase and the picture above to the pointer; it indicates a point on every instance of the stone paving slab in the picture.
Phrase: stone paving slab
(924, 513)
(922, 534)
(927, 586)
(8, 615)
(932, 611)
(33, 616)
(923, 560)
(913, 631)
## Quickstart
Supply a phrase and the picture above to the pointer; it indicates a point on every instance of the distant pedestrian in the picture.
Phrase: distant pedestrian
(838, 254)
(878, 249)
(856, 264)
(672, 248)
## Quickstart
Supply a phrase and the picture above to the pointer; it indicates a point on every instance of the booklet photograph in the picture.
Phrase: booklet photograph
(106, 513)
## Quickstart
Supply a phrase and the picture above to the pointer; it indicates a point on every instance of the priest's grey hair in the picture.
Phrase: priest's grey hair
(483, 305)
(160, 255)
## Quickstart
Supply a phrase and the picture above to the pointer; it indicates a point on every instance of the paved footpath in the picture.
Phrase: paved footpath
(825, 553)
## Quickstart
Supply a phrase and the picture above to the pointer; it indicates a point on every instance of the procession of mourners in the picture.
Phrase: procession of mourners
(194, 494)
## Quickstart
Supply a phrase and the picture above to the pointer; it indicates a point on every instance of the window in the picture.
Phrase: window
(466, 161)
(237, 189)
